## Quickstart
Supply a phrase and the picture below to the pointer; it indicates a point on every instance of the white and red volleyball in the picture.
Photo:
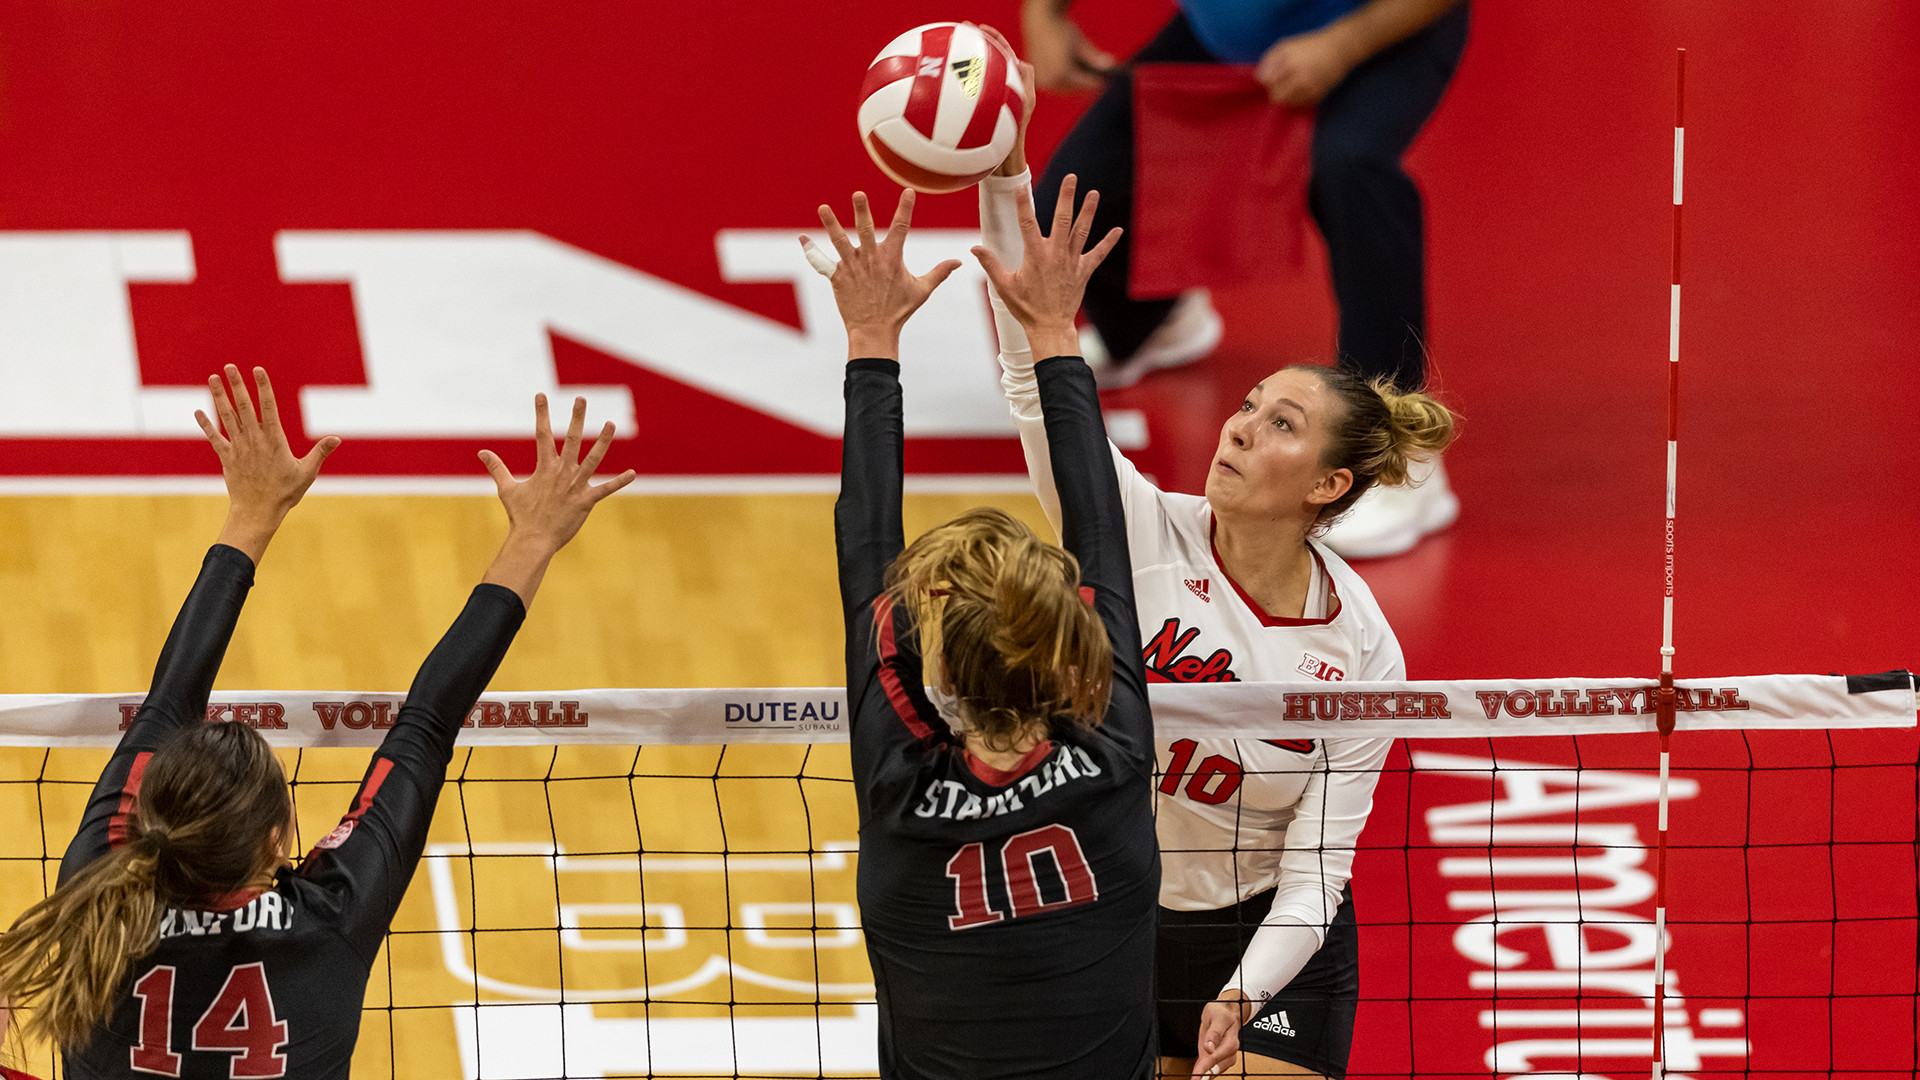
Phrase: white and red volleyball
(940, 107)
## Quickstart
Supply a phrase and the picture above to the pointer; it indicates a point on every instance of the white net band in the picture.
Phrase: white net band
(628, 717)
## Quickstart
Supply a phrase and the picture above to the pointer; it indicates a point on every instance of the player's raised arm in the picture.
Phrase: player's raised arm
(1044, 294)
(213, 815)
(264, 483)
(370, 856)
(876, 295)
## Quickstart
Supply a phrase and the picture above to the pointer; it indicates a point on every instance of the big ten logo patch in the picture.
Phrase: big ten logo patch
(1315, 668)
(269, 715)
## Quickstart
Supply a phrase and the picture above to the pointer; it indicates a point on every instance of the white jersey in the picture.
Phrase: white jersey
(1239, 816)
(1235, 817)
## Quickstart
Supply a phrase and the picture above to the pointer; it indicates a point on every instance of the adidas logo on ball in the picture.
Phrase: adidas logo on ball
(931, 132)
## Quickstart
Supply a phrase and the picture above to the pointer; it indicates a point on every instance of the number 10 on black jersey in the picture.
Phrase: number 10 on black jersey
(1023, 857)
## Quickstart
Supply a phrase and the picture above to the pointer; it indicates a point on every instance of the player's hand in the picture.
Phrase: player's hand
(1044, 294)
(264, 479)
(1016, 161)
(1219, 1038)
(875, 292)
(550, 506)
(1063, 59)
(545, 510)
(1302, 69)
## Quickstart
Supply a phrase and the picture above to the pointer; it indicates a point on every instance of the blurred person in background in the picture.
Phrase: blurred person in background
(1374, 70)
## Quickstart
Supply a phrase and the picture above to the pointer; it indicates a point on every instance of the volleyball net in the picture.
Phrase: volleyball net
(662, 882)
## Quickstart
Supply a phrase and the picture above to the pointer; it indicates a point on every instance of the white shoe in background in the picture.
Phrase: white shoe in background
(1192, 330)
(1391, 520)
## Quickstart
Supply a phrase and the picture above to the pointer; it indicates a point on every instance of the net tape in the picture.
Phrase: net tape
(818, 714)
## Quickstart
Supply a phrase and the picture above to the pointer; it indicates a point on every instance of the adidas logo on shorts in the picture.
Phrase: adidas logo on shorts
(1276, 1023)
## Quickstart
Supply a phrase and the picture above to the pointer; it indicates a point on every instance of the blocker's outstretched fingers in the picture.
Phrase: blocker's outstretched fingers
(503, 480)
(902, 217)
(598, 450)
(1063, 206)
(601, 491)
(542, 432)
(863, 218)
(223, 407)
(319, 454)
(996, 273)
(1083, 221)
(1029, 221)
(1104, 248)
(932, 278)
(269, 408)
(242, 403)
(220, 445)
(835, 233)
(822, 261)
(576, 425)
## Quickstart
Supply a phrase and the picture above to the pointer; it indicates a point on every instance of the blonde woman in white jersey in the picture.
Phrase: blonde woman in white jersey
(1258, 951)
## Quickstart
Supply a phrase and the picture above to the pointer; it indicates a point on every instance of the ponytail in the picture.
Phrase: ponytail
(1003, 627)
(208, 819)
(1383, 432)
(68, 954)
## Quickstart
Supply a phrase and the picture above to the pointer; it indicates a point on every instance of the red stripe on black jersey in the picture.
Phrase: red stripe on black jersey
(381, 767)
(117, 825)
(370, 788)
(889, 678)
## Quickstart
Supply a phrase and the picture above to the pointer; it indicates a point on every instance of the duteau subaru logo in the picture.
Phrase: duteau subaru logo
(791, 715)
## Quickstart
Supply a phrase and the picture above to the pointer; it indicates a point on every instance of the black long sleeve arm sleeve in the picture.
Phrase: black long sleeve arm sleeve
(1094, 529)
(886, 695)
(182, 681)
(369, 858)
(866, 517)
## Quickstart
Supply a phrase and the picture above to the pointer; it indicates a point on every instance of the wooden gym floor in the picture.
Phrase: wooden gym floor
(656, 591)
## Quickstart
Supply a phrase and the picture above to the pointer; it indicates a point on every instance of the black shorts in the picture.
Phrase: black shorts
(1309, 1023)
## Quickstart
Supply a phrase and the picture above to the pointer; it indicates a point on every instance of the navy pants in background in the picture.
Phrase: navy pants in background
(1362, 199)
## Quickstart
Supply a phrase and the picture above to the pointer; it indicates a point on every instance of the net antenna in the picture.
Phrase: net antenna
(1665, 700)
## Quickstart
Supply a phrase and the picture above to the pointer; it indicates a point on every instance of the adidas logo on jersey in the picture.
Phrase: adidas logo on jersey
(1198, 588)
(1276, 1023)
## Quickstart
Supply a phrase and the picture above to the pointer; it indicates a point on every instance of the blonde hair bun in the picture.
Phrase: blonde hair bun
(1418, 427)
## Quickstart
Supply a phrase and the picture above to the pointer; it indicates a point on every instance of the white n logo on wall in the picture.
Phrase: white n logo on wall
(461, 319)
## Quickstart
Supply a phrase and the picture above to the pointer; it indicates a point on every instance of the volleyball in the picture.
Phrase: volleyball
(940, 107)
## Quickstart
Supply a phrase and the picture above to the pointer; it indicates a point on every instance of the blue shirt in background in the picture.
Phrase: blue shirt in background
(1239, 31)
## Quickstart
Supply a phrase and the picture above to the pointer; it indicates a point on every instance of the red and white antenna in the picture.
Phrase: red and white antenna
(1665, 700)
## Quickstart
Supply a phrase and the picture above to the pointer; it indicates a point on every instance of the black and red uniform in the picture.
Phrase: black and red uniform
(1009, 915)
(270, 983)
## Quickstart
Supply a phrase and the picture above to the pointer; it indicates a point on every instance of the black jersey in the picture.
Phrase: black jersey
(1009, 915)
(269, 984)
